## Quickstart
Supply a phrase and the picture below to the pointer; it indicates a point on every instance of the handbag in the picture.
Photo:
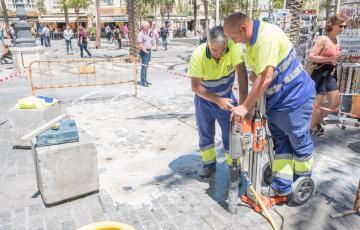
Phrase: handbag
(311, 66)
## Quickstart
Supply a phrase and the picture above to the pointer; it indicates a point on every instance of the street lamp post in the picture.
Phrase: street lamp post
(23, 37)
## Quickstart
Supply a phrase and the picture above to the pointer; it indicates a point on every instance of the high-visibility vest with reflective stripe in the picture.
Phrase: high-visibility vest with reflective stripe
(221, 87)
(217, 77)
(291, 85)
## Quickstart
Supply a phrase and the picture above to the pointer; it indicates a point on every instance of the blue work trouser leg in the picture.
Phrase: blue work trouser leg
(205, 122)
(223, 118)
(293, 145)
(145, 59)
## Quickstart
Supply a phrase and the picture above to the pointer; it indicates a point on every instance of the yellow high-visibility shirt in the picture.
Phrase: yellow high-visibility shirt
(202, 65)
(268, 47)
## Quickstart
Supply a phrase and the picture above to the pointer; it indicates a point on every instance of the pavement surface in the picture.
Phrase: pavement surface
(148, 160)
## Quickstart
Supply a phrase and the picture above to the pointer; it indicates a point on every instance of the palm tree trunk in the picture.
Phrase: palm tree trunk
(66, 12)
(77, 12)
(155, 14)
(132, 8)
(206, 12)
(98, 25)
(195, 17)
(6, 16)
(295, 10)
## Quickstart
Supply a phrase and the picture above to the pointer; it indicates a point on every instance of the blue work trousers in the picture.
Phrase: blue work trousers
(206, 114)
(293, 145)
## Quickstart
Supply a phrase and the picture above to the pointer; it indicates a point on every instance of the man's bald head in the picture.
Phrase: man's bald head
(238, 27)
(235, 19)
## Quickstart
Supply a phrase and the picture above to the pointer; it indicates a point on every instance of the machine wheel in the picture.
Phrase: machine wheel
(267, 174)
(302, 189)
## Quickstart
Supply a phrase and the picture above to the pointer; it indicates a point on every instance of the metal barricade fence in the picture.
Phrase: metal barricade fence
(49, 74)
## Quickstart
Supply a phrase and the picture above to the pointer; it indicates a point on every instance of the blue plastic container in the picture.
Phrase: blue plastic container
(65, 132)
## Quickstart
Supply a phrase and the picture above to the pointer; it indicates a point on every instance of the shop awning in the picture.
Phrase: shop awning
(60, 19)
(114, 19)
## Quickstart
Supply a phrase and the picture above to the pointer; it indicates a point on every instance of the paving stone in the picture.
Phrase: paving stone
(160, 215)
(81, 218)
(36, 209)
(18, 227)
(5, 227)
(144, 215)
(5, 218)
(106, 199)
(53, 224)
(98, 217)
(35, 222)
(150, 225)
(68, 225)
(168, 225)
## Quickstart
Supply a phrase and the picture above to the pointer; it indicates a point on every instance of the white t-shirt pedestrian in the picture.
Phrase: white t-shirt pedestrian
(68, 34)
(46, 31)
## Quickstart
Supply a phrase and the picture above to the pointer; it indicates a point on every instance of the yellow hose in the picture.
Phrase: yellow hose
(271, 220)
(106, 225)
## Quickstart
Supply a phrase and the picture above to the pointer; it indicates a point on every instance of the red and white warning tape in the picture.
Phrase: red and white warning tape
(336, 111)
(4, 79)
(187, 76)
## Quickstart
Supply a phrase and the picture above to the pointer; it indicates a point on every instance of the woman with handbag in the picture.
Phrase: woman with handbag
(323, 58)
(82, 42)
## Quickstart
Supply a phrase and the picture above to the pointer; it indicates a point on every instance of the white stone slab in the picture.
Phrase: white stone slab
(66, 171)
(22, 121)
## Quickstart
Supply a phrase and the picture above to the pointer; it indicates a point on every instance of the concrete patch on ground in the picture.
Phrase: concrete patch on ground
(134, 148)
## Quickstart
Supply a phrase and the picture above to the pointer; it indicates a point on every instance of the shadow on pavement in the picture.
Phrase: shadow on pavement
(188, 166)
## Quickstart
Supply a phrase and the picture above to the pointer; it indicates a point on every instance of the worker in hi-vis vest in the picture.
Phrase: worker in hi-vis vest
(290, 92)
(212, 69)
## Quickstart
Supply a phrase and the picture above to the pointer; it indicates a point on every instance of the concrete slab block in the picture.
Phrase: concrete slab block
(66, 171)
(22, 121)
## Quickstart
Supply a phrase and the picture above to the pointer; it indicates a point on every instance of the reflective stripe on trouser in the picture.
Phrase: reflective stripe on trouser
(208, 156)
(206, 114)
(293, 145)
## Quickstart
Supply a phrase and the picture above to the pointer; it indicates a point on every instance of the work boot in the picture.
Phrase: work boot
(207, 170)
(271, 192)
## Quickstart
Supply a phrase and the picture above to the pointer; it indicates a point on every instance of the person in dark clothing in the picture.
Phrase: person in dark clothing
(117, 34)
(83, 41)
(164, 33)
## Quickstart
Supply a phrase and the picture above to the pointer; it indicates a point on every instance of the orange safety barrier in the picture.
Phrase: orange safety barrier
(49, 74)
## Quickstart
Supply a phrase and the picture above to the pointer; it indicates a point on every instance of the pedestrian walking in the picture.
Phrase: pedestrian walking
(83, 41)
(144, 41)
(325, 56)
(108, 33)
(40, 33)
(46, 34)
(155, 35)
(68, 35)
(117, 36)
(12, 32)
(125, 31)
(164, 33)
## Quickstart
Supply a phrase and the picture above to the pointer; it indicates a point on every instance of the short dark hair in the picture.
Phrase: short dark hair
(334, 20)
(235, 18)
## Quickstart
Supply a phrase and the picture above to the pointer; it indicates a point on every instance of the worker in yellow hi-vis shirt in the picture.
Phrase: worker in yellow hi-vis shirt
(212, 69)
(289, 91)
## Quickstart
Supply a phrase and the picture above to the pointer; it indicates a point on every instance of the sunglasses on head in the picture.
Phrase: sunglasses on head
(342, 26)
